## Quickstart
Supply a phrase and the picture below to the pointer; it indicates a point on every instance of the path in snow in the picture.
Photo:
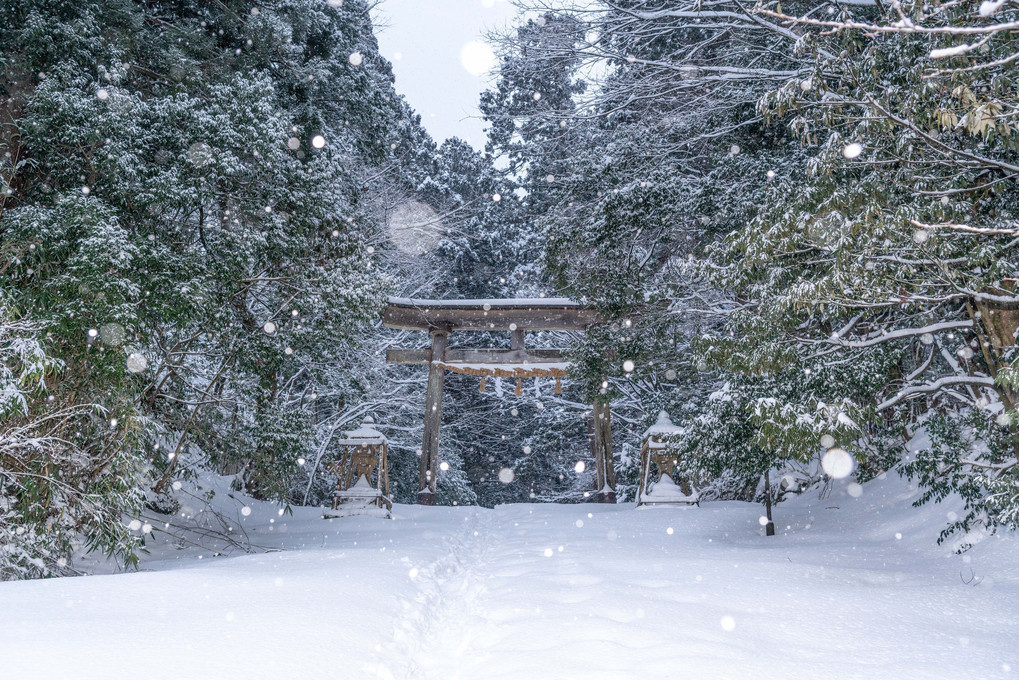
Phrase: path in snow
(536, 591)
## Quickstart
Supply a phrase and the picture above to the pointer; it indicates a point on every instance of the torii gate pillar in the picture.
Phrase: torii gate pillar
(433, 419)
(601, 442)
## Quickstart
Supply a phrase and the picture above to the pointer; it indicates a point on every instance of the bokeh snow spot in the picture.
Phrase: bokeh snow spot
(136, 363)
(414, 228)
(837, 463)
(477, 58)
(112, 334)
(851, 151)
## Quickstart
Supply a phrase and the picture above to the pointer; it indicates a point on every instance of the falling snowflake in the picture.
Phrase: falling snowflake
(414, 227)
(200, 154)
(477, 58)
(837, 463)
(136, 363)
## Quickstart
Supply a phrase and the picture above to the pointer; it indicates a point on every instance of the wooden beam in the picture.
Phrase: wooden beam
(490, 315)
(429, 470)
(476, 356)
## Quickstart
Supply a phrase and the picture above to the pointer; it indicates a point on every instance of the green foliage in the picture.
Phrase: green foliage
(794, 429)
(162, 197)
(972, 455)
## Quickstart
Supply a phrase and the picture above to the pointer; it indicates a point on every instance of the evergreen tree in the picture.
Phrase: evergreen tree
(894, 238)
(184, 224)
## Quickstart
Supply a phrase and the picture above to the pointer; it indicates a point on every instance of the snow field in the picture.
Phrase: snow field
(543, 591)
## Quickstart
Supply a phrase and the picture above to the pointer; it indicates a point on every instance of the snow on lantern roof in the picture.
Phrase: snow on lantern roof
(663, 425)
(365, 434)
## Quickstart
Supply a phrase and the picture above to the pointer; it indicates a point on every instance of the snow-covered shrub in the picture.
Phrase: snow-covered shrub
(55, 495)
(971, 453)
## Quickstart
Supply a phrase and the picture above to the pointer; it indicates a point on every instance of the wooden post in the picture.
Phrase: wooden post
(645, 471)
(769, 528)
(433, 418)
(602, 417)
(516, 339)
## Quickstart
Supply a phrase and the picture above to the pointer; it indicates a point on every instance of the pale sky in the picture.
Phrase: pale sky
(425, 41)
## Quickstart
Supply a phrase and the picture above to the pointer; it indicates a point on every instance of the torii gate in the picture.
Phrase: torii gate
(442, 317)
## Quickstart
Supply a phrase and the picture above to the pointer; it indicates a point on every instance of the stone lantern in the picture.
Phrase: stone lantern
(362, 472)
(656, 449)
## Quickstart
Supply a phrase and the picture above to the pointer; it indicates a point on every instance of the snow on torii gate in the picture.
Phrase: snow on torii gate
(442, 317)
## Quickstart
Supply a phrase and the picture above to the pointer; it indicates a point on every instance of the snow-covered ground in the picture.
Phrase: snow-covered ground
(850, 588)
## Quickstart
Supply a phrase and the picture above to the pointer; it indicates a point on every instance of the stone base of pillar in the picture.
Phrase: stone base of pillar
(604, 497)
(426, 498)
